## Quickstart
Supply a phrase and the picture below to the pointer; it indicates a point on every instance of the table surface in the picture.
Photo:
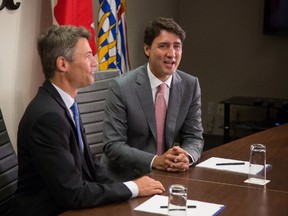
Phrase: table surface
(223, 187)
(276, 141)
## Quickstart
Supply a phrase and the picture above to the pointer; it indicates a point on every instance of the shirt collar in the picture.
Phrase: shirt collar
(68, 100)
(154, 81)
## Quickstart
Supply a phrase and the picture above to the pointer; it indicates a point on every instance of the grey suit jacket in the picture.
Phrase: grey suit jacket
(130, 126)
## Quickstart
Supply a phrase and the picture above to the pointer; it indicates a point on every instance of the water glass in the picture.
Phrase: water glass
(257, 163)
(177, 200)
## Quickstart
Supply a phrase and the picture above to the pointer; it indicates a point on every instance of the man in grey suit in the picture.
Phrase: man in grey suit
(57, 171)
(130, 131)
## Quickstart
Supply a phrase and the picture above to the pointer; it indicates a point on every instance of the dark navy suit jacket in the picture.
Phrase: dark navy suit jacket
(54, 175)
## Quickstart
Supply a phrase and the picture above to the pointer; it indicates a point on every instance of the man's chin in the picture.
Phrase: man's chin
(170, 72)
(88, 83)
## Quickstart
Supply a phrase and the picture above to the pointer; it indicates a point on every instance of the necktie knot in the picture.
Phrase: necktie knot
(161, 88)
(74, 109)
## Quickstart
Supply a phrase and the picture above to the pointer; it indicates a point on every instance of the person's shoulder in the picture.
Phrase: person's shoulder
(186, 76)
(43, 102)
(131, 75)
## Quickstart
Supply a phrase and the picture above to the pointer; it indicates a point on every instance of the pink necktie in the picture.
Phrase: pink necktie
(160, 114)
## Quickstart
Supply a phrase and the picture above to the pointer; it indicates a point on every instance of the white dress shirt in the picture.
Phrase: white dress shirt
(155, 82)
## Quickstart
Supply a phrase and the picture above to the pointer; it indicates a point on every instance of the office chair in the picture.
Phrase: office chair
(8, 170)
(91, 101)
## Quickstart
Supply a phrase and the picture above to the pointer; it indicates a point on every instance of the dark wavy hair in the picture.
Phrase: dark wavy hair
(154, 28)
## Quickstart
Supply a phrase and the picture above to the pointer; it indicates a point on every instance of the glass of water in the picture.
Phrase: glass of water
(177, 205)
(257, 165)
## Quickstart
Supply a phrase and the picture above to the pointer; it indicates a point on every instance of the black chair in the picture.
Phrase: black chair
(8, 170)
(91, 101)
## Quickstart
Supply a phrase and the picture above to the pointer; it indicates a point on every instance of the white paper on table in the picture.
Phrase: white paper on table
(153, 204)
(211, 163)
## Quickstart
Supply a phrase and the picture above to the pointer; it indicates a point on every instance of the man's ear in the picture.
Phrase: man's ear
(146, 50)
(62, 64)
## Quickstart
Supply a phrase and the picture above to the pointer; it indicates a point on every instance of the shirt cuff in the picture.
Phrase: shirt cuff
(151, 165)
(191, 160)
(132, 186)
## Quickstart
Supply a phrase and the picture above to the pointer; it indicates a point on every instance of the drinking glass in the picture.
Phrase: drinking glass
(257, 163)
(177, 200)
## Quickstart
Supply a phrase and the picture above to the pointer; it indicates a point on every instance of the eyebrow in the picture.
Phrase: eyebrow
(89, 52)
(166, 42)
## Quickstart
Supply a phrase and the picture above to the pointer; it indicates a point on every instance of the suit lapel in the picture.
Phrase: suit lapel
(144, 93)
(145, 97)
(173, 109)
(86, 157)
(47, 85)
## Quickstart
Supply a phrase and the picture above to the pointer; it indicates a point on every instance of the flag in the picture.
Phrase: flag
(77, 13)
(112, 36)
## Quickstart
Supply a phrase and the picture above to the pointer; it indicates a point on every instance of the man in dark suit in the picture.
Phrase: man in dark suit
(55, 174)
(130, 123)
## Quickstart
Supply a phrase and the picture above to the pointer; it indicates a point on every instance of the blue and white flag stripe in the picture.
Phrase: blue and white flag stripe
(112, 36)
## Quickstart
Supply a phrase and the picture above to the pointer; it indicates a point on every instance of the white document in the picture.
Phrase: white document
(211, 163)
(153, 204)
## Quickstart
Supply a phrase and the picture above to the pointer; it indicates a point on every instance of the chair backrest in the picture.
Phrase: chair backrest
(8, 170)
(91, 101)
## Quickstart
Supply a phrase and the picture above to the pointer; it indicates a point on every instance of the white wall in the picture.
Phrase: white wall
(20, 71)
